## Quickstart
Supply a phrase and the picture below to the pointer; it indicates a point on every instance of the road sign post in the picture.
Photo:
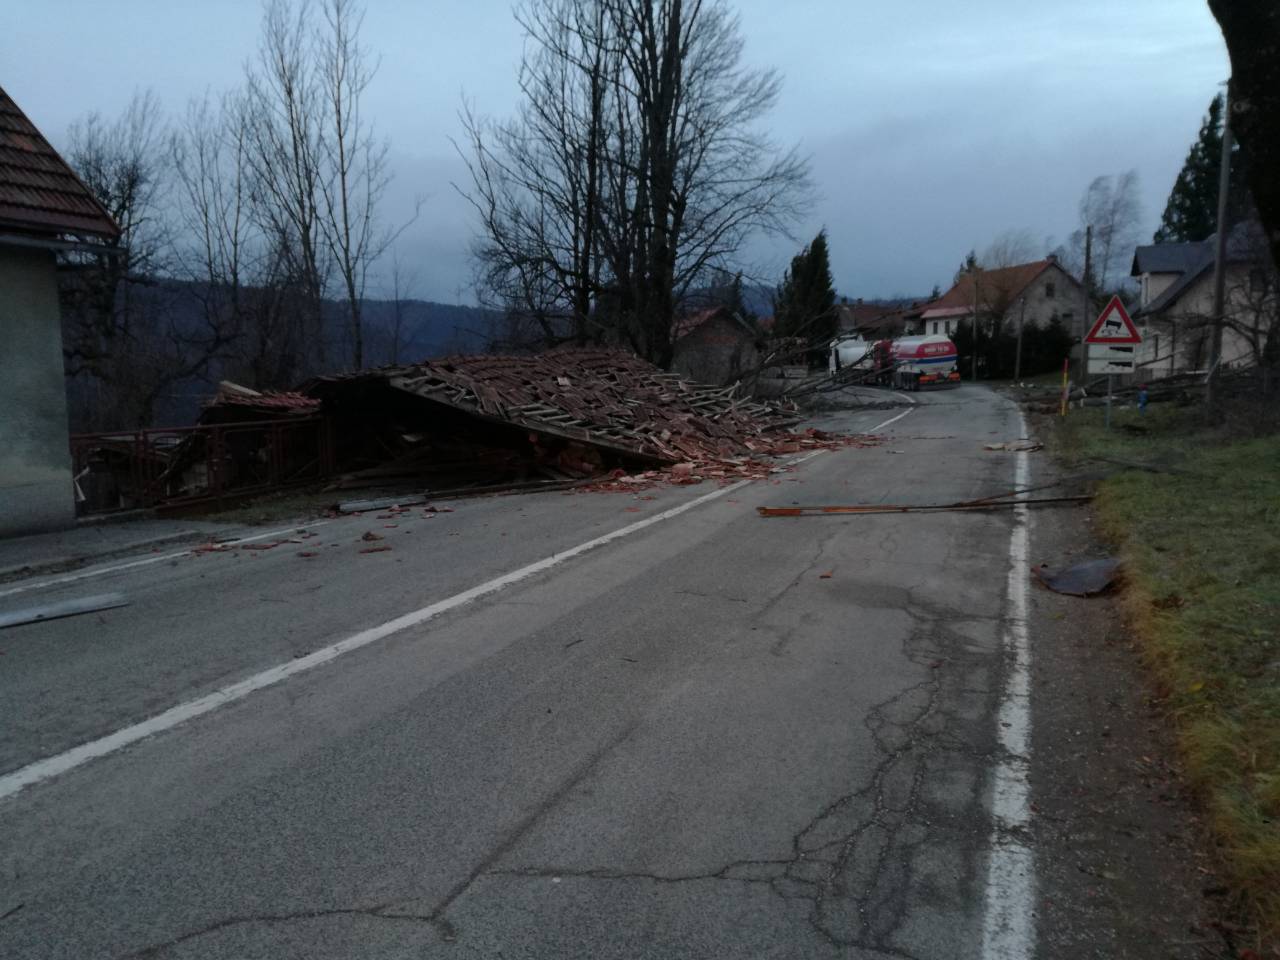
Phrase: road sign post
(1112, 346)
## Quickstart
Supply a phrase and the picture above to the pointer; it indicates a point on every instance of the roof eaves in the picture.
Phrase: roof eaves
(40, 193)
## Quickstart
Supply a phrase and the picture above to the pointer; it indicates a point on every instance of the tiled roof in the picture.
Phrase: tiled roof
(39, 192)
(689, 322)
(1245, 243)
(1005, 283)
(1168, 257)
(605, 398)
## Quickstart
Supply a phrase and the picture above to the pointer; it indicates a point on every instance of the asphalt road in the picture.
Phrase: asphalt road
(716, 736)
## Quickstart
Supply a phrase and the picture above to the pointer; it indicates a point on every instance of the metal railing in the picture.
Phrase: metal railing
(170, 466)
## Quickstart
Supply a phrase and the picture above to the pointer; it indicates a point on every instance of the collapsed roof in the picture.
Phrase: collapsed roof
(603, 398)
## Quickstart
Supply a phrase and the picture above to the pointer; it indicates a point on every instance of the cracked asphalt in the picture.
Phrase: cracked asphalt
(722, 736)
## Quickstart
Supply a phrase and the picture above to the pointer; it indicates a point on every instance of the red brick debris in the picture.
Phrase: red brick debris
(603, 398)
(730, 470)
(597, 419)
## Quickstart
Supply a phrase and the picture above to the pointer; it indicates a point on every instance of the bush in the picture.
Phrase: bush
(1043, 349)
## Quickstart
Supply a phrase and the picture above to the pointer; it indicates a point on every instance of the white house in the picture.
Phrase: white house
(43, 208)
(1175, 312)
(1026, 294)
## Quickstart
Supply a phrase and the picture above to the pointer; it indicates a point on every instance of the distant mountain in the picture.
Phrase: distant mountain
(427, 329)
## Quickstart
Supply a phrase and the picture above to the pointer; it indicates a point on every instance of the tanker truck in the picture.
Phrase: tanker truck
(910, 363)
(847, 351)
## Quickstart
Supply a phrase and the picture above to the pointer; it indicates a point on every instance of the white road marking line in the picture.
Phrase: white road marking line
(1008, 930)
(146, 561)
(903, 396)
(33, 773)
(796, 461)
(881, 426)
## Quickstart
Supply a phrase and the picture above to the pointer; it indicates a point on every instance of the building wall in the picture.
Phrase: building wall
(718, 352)
(1053, 293)
(942, 326)
(1179, 339)
(1154, 284)
(35, 461)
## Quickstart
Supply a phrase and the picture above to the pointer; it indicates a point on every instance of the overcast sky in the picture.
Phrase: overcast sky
(932, 125)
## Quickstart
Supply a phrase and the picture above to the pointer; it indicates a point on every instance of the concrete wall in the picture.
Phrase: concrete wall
(35, 462)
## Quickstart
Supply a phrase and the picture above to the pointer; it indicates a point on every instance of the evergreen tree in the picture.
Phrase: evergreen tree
(804, 305)
(1192, 211)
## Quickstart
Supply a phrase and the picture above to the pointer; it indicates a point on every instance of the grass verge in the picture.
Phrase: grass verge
(1202, 559)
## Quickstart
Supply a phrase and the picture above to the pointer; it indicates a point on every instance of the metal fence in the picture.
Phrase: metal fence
(170, 466)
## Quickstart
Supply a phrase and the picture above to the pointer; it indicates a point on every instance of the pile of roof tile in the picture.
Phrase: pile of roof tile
(233, 402)
(601, 398)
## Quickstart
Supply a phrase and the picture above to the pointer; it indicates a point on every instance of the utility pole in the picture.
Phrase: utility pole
(1017, 354)
(1220, 255)
(1085, 323)
(973, 326)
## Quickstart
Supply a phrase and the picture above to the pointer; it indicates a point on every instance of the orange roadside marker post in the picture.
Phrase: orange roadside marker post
(1066, 365)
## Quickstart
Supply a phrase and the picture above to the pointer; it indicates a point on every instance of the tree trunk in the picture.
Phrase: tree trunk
(1251, 29)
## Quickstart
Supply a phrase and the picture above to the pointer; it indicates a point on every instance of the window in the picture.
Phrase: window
(1048, 291)
(935, 326)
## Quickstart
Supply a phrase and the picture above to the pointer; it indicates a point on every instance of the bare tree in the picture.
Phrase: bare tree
(635, 167)
(538, 180)
(239, 272)
(121, 326)
(403, 284)
(1252, 311)
(706, 177)
(355, 175)
(1009, 248)
(285, 109)
(1111, 205)
(208, 151)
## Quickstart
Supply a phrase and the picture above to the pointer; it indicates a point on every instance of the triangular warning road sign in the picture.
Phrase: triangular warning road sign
(1113, 326)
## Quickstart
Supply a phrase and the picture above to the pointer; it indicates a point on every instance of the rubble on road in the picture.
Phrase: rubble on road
(589, 419)
(603, 399)
(571, 418)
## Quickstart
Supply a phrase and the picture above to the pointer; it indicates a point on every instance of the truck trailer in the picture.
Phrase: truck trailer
(910, 363)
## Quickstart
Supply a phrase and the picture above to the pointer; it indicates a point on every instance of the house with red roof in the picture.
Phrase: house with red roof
(44, 209)
(1026, 294)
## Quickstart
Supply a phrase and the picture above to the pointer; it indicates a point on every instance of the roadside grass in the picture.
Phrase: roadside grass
(1202, 560)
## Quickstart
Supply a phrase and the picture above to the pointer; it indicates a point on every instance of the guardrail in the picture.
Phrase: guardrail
(171, 466)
